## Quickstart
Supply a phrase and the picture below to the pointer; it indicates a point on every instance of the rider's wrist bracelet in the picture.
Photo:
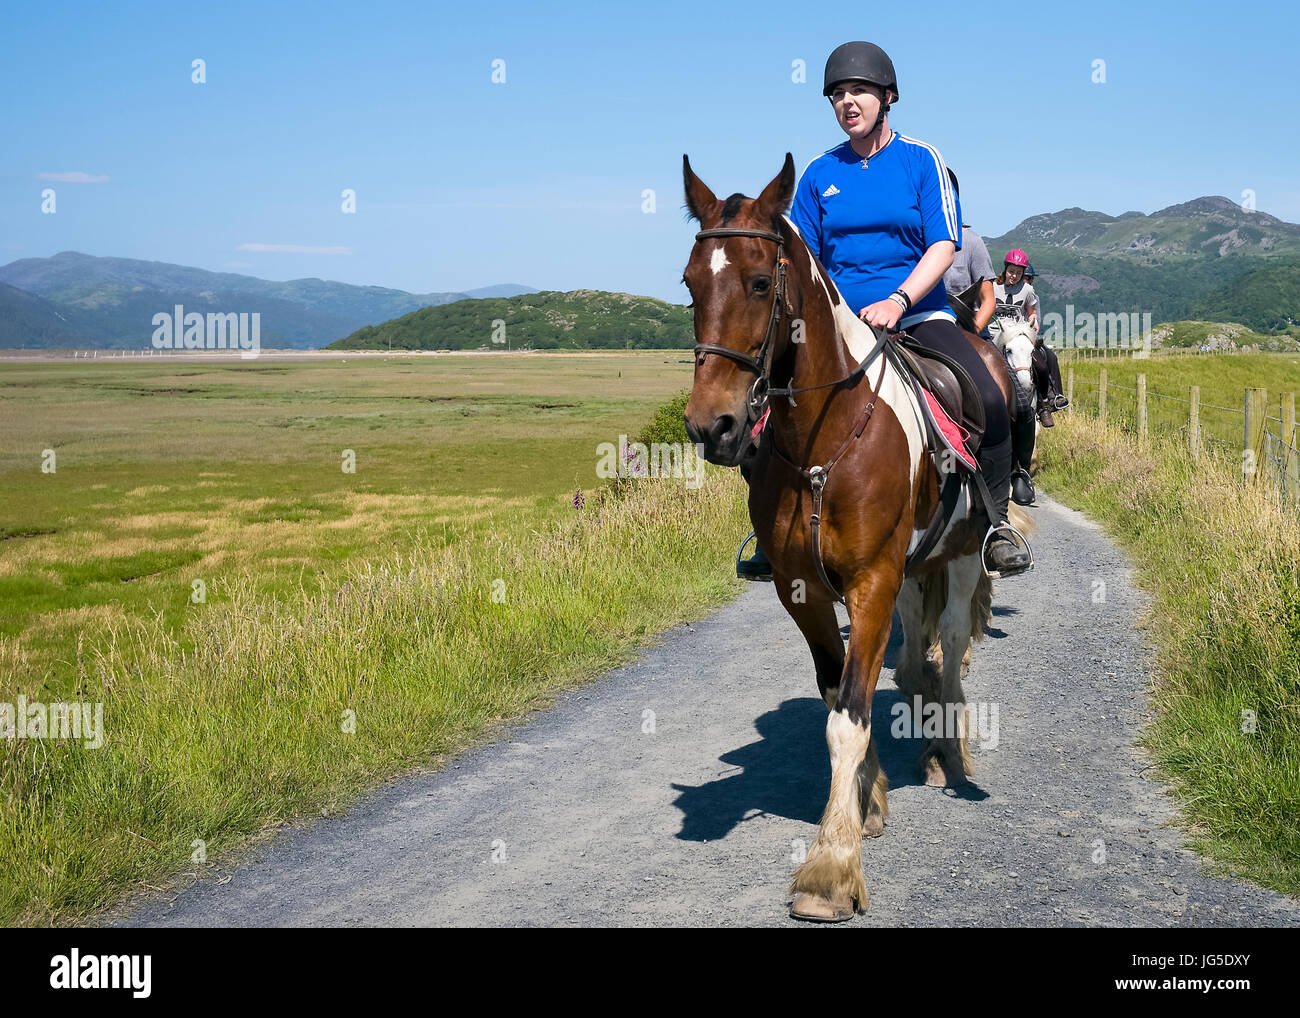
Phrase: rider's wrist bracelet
(902, 299)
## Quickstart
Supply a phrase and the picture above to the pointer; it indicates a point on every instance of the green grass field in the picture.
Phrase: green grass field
(355, 625)
(1220, 559)
(1223, 379)
(167, 474)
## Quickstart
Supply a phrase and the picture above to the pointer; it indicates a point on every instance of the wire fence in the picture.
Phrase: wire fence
(1264, 449)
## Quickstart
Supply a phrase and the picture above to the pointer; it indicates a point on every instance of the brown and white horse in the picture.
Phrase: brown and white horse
(767, 311)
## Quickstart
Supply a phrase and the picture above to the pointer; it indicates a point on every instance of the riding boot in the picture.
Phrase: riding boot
(1022, 441)
(1003, 555)
(1023, 437)
(756, 567)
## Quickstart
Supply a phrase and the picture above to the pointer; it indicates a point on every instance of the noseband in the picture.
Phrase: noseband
(761, 365)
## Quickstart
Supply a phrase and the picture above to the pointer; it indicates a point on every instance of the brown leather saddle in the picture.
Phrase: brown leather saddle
(948, 382)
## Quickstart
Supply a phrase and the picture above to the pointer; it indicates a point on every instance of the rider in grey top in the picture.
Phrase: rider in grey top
(971, 268)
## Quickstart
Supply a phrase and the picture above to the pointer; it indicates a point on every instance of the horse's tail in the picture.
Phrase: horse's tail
(981, 606)
(1020, 519)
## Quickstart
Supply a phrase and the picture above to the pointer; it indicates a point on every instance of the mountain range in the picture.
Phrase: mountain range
(577, 319)
(75, 299)
(1208, 260)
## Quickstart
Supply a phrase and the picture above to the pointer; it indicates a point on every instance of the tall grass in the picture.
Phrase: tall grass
(243, 719)
(1220, 560)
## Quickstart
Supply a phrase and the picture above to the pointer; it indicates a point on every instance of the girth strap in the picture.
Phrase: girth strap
(938, 523)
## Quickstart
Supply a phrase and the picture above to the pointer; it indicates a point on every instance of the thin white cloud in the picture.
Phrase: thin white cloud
(74, 177)
(295, 249)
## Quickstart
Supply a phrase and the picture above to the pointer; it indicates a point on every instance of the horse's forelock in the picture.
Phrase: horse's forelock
(731, 207)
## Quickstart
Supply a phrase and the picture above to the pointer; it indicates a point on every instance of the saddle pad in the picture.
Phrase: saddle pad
(953, 432)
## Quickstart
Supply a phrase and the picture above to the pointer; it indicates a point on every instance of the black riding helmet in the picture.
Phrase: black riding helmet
(860, 61)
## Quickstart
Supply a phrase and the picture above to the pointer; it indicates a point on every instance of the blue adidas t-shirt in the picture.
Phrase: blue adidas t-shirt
(870, 224)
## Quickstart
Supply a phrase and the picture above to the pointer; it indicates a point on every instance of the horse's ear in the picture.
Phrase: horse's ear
(700, 201)
(775, 198)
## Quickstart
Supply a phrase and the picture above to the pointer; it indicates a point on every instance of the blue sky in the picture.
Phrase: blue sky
(462, 182)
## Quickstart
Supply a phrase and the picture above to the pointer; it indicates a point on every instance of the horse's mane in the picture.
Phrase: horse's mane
(1012, 329)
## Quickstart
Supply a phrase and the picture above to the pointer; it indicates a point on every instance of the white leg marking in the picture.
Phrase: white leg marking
(910, 609)
(841, 829)
(955, 623)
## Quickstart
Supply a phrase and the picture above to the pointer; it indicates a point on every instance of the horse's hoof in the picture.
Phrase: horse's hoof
(873, 826)
(932, 772)
(813, 908)
(936, 774)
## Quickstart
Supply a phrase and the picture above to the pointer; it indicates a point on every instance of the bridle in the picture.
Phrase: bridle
(1006, 353)
(756, 400)
(761, 365)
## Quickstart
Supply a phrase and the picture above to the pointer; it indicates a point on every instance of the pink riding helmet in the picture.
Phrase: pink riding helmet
(1017, 257)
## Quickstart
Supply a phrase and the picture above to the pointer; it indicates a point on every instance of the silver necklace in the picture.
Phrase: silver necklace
(877, 152)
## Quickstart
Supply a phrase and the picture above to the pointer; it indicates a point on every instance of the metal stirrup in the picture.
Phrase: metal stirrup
(753, 536)
(1018, 538)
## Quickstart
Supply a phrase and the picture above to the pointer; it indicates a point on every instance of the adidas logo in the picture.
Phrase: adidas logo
(830, 191)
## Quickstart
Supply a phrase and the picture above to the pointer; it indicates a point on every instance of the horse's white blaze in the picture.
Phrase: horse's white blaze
(718, 260)
(1016, 341)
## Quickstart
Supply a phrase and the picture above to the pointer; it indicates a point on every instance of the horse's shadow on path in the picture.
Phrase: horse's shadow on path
(786, 772)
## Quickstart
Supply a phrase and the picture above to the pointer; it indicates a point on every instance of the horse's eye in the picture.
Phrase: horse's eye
(761, 284)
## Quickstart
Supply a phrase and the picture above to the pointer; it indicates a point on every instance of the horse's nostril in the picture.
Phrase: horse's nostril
(722, 429)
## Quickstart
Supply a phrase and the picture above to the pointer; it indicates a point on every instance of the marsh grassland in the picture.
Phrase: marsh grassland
(270, 634)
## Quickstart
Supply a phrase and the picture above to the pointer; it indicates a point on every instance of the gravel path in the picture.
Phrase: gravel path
(596, 813)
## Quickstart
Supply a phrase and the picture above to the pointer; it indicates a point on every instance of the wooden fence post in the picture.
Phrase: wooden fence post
(1142, 408)
(1069, 385)
(1252, 454)
(1194, 422)
(1101, 397)
(1290, 460)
